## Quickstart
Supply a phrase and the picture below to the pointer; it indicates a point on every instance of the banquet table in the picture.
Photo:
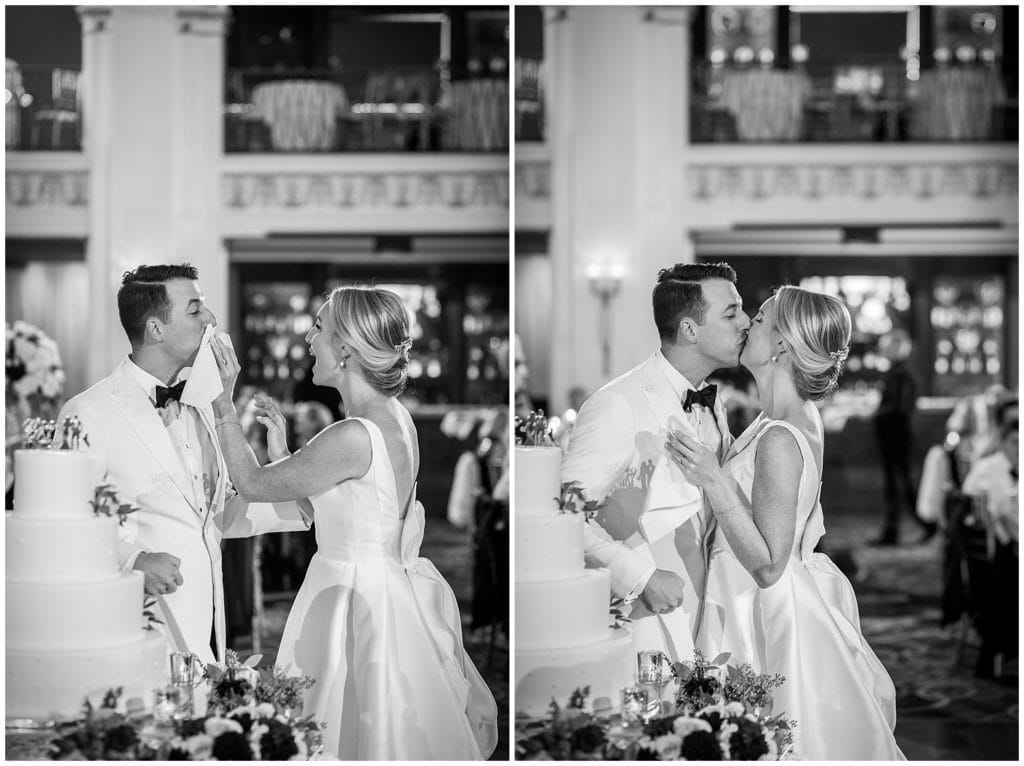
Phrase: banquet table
(767, 103)
(301, 114)
(957, 104)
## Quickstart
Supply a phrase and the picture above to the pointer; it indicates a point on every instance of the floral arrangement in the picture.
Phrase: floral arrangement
(35, 374)
(251, 715)
(235, 683)
(722, 713)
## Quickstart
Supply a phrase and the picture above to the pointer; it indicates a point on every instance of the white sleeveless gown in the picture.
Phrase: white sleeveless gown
(805, 627)
(379, 629)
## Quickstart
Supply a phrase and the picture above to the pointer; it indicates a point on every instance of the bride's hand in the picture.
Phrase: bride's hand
(698, 464)
(269, 415)
(227, 365)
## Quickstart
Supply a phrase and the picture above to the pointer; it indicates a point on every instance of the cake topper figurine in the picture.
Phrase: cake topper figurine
(534, 431)
(72, 434)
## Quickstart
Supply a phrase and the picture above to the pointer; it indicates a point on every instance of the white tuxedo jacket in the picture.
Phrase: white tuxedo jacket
(135, 454)
(651, 517)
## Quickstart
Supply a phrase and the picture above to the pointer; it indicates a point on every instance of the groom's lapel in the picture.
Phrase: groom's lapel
(671, 500)
(143, 419)
(723, 428)
(220, 488)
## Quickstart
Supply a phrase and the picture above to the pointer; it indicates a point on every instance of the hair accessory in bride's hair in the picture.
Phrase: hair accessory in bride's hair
(839, 357)
(405, 345)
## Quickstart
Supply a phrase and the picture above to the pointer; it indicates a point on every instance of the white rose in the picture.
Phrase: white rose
(51, 386)
(300, 743)
(684, 726)
(725, 732)
(248, 674)
(200, 747)
(668, 747)
(214, 727)
(773, 750)
(24, 387)
(265, 710)
(25, 350)
(735, 708)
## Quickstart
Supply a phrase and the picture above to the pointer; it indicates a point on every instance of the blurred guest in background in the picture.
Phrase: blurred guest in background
(995, 477)
(490, 540)
(893, 430)
(478, 502)
(238, 554)
(992, 484)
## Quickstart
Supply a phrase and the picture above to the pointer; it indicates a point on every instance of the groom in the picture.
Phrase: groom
(652, 527)
(154, 439)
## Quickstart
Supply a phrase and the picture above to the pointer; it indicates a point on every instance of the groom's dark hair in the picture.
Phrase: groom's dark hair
(679, 294)
(143, 294)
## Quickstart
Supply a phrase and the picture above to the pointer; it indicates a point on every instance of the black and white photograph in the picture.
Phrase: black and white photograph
(765, 462)
(258, 375)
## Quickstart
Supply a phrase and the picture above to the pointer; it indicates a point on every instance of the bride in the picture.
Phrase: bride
(376, 626)
(770, 600)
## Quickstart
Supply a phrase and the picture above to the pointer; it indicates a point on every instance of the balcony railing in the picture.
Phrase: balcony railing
(42, 109)
(855, 103)
(397, 109)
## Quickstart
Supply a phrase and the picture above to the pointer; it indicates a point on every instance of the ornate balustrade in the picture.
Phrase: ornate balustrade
(47, 194)
(850, 183)
(262, 194)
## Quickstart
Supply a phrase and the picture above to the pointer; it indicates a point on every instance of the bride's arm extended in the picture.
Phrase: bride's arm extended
(339, 452)
(762, 539)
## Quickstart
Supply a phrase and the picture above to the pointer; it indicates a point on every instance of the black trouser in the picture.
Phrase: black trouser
(894, 441)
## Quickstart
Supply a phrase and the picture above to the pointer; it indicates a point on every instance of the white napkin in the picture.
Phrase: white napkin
(203, 384)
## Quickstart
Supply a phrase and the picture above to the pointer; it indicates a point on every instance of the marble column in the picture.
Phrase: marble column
(153, 136)
(617, 100)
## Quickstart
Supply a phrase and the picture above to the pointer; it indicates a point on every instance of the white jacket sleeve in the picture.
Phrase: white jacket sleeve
(599, 452)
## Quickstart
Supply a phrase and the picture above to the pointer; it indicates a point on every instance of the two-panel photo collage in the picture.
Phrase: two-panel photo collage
(511, 382)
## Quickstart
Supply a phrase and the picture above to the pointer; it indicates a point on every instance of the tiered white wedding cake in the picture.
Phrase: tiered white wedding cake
(563, 638)
(74, 621)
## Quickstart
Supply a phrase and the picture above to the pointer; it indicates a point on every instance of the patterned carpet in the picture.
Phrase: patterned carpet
(943, 711)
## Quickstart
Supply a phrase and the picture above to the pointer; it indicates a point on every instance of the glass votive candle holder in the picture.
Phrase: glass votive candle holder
(184, 668)
(634, 706)
(166, 704)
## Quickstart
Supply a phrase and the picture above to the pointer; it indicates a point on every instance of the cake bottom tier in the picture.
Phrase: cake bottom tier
(543, 675)
(52, 685)
(565, 612)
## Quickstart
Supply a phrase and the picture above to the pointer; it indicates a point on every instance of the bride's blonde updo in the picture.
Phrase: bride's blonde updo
(373, 326)
(815, 330)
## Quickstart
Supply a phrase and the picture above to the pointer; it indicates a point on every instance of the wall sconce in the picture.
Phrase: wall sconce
(605, 281)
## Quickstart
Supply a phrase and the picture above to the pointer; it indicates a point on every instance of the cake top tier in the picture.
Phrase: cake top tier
(54, 483)
(537, 480)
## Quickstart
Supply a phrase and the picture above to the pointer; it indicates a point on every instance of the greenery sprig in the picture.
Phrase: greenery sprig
(107, 504)
(572, 500)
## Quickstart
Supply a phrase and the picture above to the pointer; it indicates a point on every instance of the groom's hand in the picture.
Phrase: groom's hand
(162, 572)
(664, 592)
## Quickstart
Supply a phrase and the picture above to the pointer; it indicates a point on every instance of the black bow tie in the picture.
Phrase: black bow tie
(165, 395)
(706, 396)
